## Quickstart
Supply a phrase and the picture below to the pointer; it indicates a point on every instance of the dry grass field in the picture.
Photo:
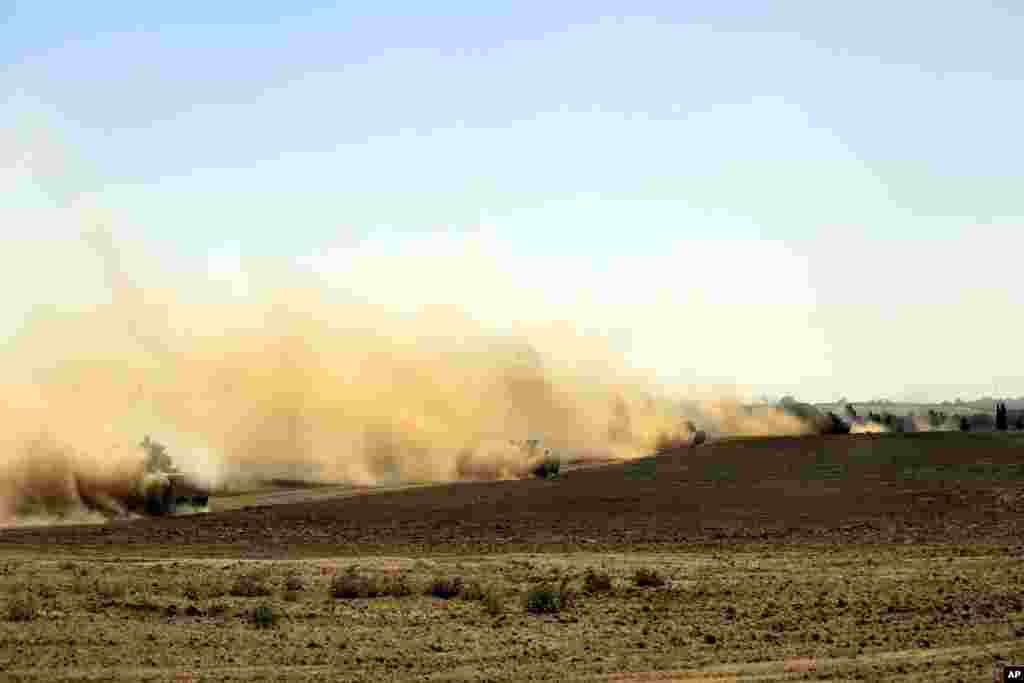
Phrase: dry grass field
(822, 558)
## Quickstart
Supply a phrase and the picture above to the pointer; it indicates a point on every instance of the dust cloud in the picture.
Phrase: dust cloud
(867, 428)
(292, 380)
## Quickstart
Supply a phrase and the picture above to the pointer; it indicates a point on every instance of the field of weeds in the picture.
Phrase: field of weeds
(907, 614)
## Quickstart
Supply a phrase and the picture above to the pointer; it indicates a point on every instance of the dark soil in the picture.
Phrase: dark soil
(925, 488)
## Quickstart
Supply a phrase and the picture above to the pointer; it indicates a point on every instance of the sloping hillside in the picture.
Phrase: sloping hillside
(921, 487)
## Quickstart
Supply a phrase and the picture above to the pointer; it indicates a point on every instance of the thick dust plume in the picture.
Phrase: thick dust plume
(868, 428)
(294, 381)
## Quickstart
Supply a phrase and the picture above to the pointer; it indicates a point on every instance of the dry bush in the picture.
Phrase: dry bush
(81, 585)
(250, 585)
(489, 596)
(263, 616)
(293, 585)
(493, 601)
(21, 607)
(596, 582)
(473, 591)
(543, 598)
(193, 591)
(648, 578)
(446, 588)
(205, 588)
(395, 586)
(402, 587)
(352, 584)
(547, 598)
(108, 589)
(67, 566)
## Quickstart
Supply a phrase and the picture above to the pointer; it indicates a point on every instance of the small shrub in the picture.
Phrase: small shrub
(294, 583)
(648, 578)
(493, 601)
(110, 590)
(214, 586)
(596, 582)
(263, 617)
(208, 587)
(249, 586)
(566, 594)
(351, 585)
(394, 586)
(67, 566)
(488, 595)
(81, 585)
(21, 608)
(446, 588)
(376, 586)
(473, 591)
(543, 598)
(547, 598)
(401, 587)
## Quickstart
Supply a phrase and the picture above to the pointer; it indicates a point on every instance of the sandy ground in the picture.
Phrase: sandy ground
(864, 558)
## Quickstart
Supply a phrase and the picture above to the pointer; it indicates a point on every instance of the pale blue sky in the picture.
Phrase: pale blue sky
(833, 189)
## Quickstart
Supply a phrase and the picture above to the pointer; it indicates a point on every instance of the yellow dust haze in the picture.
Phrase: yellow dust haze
(292, 380)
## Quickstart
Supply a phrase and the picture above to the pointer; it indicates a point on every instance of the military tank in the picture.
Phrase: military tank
(164, 489)
(168, 493)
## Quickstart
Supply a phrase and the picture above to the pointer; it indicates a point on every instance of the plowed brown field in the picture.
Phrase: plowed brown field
(877, 557)
(788, 490)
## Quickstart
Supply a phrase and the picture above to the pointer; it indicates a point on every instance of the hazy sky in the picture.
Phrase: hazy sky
(813, 198)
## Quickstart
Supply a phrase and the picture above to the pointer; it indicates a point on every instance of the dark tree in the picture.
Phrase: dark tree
(1002, 424)
(1020, 421)
(965, 424)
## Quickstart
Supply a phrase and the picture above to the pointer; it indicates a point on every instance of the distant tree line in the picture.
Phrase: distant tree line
(939, 420)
